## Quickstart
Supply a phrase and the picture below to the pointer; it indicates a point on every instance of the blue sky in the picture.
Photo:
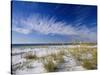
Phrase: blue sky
(36, 22)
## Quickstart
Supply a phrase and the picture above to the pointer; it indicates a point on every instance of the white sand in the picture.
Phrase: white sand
(69, 64)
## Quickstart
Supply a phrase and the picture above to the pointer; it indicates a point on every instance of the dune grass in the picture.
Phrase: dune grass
(82, 52)
(92, 63)
(30, 56)
(50, 66)
(52, 60)
(58, 57)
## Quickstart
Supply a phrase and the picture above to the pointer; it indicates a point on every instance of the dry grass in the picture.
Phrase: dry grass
(52, 60)
(49, 65)
(82, 52)
(58, 57)
(92, 63)
(30, 56)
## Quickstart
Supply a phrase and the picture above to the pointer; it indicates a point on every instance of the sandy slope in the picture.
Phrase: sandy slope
(36, 66)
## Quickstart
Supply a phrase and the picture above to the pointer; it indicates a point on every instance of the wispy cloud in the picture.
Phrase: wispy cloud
(49, 25)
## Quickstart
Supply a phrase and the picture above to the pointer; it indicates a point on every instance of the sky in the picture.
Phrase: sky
(37, 22)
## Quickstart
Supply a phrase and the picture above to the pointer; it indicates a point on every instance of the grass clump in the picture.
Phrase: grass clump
(50, 66)
(58, 57)
(92, 63)
(52, 60)
(89, 64)
(82, 54)
(30, 56)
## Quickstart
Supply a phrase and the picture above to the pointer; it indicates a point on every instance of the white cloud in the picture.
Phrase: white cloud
(22, 30)
(49, 25)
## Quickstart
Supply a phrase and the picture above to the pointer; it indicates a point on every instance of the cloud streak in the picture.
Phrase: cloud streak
(49, 25)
